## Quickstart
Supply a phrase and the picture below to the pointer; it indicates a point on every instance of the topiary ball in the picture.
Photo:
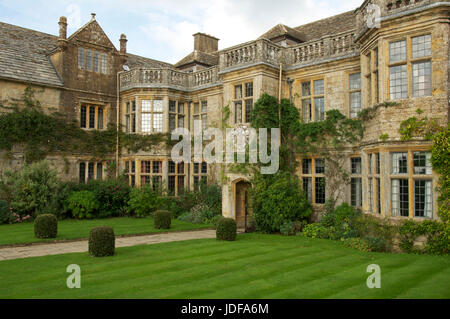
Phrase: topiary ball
(46, 226)
(101, 241)
(226, 229)
(162, 219)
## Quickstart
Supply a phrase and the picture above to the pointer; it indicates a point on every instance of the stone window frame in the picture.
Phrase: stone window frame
(151, 175)
(199, 173)
(178, 113)
(178, 172)
(244, 100)
(353, 90)
(130, 116)
(373, 181)
(411, 177)
(85, 175)
(409, 62)
(99, 65)
(200, 112)
(100, 112)
(312, 98)
(150, 114)
(130, 171)
(312, 178)
(356, 179)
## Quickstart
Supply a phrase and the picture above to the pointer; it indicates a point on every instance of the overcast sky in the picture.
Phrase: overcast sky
(163, 29)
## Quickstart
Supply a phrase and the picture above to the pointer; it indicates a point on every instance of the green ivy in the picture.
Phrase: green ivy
(38, 134)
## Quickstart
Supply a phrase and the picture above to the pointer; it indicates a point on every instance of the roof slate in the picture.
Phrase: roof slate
(209, 59)
(329, 26)
(281, 29)
(135, 61)
(23, 55)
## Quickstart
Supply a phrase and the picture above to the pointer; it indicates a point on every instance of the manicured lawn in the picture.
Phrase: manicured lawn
(75, 229)
(255, 266)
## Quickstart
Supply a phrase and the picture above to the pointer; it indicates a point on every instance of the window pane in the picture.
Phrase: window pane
(180, 184)
(370, 163)
(356, 165)
(248, 110)
(171, 184)
(133, 123)
(157, 122)
(146, 122)
(196, 168)
(90, 171)
(377, 163)
(104, 63)
(320, 190)
(157, 106)
(248, 89)
(173, 106)
(92, 117)
(421, 78)
(181, 108)
(204, 106)
(318, 87)
(204, 121)
(238, 92)
(146, 105)
(133, 167)
(319, 109)
(238, 112)
(307, 166)
(422, 163)
(88, 60)
(397, 51)
(355, 81)
(156, 183)
(400, 197)
(320, 165)
(172, 122)
(99, 171)
(100, 118)
(423, 199)
(399, 163)
(82, 173)
(81, 58)
(180, 121)
(370, 183)
(157, 167)
(96, 61)
(172, 167)
(421, 46)
(306, 88)
(398, 83)
(307, 188)
(145, 167)
(356, 192)
(204, 168)
(355, 104)
(306, 110)
(378, 195)
(83, 116)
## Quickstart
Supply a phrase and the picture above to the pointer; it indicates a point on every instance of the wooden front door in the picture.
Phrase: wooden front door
(242, 211)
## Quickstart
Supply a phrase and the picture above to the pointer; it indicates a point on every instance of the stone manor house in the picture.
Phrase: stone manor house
(341, 62)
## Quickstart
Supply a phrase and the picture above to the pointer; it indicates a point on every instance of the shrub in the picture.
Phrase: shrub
(101, 241)
(46, 226)
(375, 243)
(112, 195)
(32, 188)
(357, 243)
(194, 217)
(342, 219)
(83, 204)
(298, 226)
(276, 199)
(211, 196)
(287, 229)
(162, 219)
(226, 229)
(5, 212)
(369, 226)
(316, 230)
(143, 201)
(437, 234)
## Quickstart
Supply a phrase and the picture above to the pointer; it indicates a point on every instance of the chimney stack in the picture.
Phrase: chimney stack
(62, 28)
(123, 44)
(205, 43)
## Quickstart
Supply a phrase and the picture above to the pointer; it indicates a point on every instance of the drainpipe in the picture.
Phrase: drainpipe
(117, 122)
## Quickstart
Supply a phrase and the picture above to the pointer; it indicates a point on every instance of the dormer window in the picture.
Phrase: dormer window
(92, 60)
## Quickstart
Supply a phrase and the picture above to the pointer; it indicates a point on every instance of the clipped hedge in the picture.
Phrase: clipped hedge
(162, 219)
(226, 229)
(101, 241)
(46, 226)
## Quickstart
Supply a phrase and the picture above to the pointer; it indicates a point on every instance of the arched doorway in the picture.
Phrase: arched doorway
(242, 211)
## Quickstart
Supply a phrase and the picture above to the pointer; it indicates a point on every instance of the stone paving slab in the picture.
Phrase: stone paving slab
(8, 253)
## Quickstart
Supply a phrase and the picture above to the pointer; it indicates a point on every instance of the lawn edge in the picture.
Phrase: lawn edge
(85, 238)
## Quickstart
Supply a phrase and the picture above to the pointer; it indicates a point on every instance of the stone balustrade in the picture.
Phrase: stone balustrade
(261, 51)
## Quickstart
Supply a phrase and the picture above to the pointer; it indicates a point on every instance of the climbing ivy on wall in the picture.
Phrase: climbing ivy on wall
(24, 124)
